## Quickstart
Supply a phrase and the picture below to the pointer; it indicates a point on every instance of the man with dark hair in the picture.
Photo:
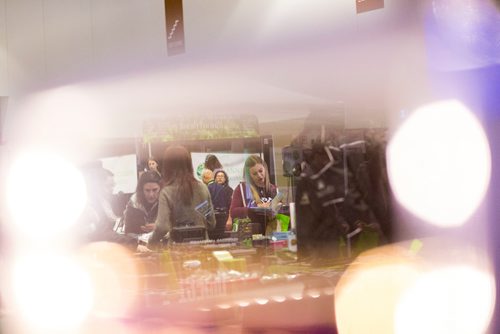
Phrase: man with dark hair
(98, 219)
(221, 194)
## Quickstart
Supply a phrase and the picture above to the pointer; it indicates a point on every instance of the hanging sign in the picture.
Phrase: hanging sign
(367, 5)
(174, 19)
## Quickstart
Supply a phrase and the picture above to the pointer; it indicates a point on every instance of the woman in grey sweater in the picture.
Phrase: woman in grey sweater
(185, 209)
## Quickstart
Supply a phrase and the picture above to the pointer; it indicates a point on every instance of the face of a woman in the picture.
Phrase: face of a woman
(152, 165)
(258, 175)
(220, 178)
(151, 192)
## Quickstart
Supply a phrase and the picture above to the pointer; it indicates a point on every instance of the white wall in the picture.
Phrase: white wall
(3, 51)
(67, 28)
(127, 33)
(25, 44)
(240, 55)
(52, 41)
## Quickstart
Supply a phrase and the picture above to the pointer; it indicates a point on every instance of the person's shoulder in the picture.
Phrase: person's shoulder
(133, 198)
(241, 187)
(202, 188)
(133, 202)
(200, 185)
(168, 189)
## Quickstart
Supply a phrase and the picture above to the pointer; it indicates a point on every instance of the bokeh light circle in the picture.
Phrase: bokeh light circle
(114, 273)
(458, 299)
(45, 193)
(51, 292)
(369, 290)
(439, 163)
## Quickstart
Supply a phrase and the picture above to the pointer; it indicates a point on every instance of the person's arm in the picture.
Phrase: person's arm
(229, 223)
(148, 227)
(163, 224)
(132, 218)
(228, 195)
(274, 190)
(150, 219)
(127, 218)
(238, 209)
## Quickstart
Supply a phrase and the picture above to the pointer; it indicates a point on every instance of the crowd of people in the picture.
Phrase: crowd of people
(171, 205)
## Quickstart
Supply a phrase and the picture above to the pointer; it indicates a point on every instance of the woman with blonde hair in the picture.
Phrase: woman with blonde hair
(255, 192)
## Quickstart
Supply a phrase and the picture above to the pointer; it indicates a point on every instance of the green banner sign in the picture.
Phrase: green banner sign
(200, 128)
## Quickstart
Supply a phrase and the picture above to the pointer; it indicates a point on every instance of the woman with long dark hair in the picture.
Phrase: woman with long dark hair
(212, 162)
(142, 208)
(184, 201)
(153, 165)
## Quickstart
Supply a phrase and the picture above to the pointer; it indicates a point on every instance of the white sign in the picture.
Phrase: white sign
(124, 169)
(232, 163)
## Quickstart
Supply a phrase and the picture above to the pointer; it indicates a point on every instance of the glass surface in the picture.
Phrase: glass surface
(325, 95)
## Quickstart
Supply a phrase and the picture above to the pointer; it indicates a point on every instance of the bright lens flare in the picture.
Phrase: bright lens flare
(52, 292)
(46, 194)
(368, 292)
(114, 273)
(439, 163)
(450, 300)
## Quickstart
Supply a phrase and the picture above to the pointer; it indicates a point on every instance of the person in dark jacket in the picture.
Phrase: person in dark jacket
(221, 194)
(142, 208)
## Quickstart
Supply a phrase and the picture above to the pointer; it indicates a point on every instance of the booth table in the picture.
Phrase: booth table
(256, 288)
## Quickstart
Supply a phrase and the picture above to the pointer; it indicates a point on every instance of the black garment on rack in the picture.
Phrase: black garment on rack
(329, 199)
